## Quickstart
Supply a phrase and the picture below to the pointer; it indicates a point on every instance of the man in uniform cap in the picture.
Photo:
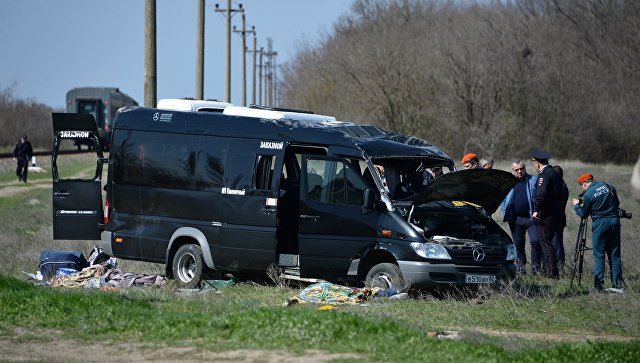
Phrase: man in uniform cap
(470, 161)
(600, 200)
(547, 207)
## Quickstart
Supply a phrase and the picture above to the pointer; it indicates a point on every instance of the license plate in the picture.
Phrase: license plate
(480, 279)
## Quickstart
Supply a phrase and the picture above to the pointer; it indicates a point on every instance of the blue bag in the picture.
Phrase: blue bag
(51, 261)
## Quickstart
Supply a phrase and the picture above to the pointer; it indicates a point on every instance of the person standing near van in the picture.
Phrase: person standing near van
(547, 208)
(486, 163)
(517, 211)
(558, 237)
(23, 153)
(470, 161)
(600, 201)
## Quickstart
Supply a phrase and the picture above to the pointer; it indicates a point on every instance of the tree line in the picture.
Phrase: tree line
(20, 116)
(496, 78)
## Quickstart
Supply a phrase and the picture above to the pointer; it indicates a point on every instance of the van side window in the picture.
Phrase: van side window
(263, 173)
(238, 173)
(171, 162)
(155, 160)
(334, 182)
(210, 169)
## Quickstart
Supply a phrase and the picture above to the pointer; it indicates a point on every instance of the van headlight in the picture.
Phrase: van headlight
(511, 252)
(431, 250)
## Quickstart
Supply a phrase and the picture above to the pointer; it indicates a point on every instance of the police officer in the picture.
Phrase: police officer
(600, 200)
(547, 207)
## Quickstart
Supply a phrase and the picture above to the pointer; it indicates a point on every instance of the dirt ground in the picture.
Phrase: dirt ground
(8, 189)
(26, 346)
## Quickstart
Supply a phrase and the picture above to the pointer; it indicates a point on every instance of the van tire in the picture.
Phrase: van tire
(385, 275)
(188, 266)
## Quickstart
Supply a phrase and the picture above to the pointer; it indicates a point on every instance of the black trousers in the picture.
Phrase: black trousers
(21, 170)
(547, 227)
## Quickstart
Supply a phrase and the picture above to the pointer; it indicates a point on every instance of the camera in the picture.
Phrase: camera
(624, 214)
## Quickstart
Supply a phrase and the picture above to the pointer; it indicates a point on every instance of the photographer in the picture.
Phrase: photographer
(601, 202)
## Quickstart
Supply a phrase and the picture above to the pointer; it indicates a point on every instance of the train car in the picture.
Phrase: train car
(102, 103)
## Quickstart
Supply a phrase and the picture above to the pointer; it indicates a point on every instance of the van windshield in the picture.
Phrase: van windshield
(403, 178)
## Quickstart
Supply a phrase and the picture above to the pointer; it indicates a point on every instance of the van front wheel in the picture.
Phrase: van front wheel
(386, 276)
(188, 265)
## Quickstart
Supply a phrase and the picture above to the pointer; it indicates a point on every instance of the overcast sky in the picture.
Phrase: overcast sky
(48, 47)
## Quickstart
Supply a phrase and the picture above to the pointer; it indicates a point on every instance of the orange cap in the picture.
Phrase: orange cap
(468, 157)
(584, 177)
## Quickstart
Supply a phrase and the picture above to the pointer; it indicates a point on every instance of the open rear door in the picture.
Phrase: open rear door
(77, 200)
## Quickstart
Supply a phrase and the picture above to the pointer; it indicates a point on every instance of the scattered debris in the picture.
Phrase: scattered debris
(325, 292)
(71, 269)
(445, 334)
(210, 286)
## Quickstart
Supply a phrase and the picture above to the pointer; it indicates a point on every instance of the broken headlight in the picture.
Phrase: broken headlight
(431, 250)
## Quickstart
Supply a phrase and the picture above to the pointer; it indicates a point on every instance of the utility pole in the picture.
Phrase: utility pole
(243, 34)
(255, 55)
(260, 78)
(200, 53)
(275, 82)
(255, 43)
(228, 11)
(270, 70)
(150, 78)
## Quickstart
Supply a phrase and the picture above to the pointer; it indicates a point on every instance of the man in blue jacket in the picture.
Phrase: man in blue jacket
(517, 210)
(600, 200)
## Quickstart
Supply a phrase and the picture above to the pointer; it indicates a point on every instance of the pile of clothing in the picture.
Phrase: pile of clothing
(324, 292)
(106, 277)
(71, 269)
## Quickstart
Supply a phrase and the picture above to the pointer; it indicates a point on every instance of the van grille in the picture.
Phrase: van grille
(464, 256)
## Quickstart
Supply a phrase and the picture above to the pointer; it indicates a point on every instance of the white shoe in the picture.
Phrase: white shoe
(615, 290)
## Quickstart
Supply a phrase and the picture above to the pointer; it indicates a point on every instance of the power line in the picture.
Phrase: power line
(228, 13)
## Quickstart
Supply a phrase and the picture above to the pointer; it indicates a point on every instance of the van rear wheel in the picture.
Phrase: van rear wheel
(188, 266)
(386, 276)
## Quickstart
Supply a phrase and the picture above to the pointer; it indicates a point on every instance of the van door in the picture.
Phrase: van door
(248, 235)
(333, 227)
(77, 201)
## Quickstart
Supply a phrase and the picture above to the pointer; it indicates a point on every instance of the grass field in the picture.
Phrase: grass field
(530, 319)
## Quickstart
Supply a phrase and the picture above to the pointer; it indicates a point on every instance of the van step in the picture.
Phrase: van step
(293, 271)
(298, 278)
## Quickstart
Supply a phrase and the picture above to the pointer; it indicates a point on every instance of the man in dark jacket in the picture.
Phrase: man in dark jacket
(558, 238)
(547, 207)
(23, 153)
(600, 201)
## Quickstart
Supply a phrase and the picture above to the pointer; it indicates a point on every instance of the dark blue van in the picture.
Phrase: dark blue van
(209, 192)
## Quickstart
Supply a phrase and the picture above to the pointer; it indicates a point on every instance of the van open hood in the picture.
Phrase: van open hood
(485, 187)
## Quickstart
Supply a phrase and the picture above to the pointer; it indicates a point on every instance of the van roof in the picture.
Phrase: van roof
(275, 114)
(186, 104)
(340, 137)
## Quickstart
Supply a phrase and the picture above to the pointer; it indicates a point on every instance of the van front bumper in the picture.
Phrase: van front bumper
(423, 275)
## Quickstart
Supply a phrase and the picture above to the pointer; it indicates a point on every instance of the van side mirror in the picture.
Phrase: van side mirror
(369, 197)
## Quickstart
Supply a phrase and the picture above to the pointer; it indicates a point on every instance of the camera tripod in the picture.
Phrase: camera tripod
(581, 246)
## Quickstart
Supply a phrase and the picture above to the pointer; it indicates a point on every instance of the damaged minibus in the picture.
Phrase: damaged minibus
(250, 190)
